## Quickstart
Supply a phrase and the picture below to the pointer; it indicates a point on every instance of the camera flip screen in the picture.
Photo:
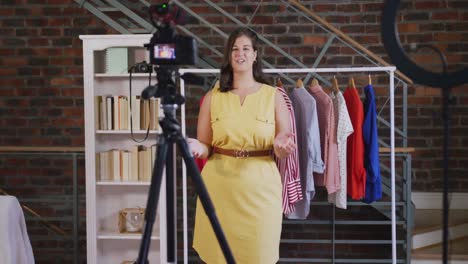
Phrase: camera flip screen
(164, 51)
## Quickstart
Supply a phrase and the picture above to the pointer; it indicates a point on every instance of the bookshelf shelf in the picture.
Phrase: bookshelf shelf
(118, 236)
(122, 75)
(111, 153)
(139, 132)
(111, 183)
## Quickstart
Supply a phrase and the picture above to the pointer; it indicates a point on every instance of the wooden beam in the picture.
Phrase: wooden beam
(40, 149)
(397, 150)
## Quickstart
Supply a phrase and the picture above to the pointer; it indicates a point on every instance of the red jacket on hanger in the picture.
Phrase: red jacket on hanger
(356, 173)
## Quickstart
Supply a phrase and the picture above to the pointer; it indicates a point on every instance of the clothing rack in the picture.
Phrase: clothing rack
(390, 70)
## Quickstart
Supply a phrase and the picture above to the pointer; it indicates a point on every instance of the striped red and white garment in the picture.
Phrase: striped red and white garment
(289, 166)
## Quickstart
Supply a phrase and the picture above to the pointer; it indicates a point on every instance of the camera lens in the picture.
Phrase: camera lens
(143, 68)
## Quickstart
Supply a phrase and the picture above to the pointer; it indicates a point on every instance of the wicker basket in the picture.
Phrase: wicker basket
(131, 220)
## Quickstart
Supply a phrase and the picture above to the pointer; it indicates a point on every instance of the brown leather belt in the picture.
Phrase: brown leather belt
(243, 153)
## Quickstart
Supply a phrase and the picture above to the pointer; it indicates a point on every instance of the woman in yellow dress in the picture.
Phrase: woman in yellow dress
(242, 122)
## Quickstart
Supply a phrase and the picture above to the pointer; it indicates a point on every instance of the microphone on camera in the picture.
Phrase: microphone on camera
(166, 14)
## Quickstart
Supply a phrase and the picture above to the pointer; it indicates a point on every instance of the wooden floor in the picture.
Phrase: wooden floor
(457, 249)
(431, 220)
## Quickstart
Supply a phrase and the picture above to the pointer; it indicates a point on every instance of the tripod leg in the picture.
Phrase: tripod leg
(205, 198)
(170, 206)
(152, 202)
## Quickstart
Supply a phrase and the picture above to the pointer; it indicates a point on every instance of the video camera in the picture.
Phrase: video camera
(167, 51)
(166, 47)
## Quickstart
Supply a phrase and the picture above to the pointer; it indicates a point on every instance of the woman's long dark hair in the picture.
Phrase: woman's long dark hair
(226, 78)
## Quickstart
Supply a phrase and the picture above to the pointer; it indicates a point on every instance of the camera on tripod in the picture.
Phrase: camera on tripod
(166, 47)
(167, 51)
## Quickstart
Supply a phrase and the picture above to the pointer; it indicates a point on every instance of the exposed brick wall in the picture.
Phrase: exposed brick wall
(440, 23)
(41, 104)
(443, 24)
(41, 72)
(41, 96)
(44, 183)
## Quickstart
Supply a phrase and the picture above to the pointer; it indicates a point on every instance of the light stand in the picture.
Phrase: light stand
(445, 80)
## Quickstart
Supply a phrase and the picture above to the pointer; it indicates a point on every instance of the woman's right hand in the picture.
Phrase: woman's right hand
(196, 147)
(283, 145)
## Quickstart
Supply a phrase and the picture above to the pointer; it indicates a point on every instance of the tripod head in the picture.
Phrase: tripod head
(165, 87)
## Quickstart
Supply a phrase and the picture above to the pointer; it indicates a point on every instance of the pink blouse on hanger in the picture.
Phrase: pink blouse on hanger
(326, 116)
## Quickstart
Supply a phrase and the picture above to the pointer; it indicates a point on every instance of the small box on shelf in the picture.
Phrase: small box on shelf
(131, 220)
(116, 60)
(113, 61)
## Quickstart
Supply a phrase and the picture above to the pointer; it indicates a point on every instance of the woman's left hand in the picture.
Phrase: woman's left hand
(195, 147)
(283, 145)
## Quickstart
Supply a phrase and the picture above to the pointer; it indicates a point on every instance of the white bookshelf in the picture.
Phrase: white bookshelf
(104, 199)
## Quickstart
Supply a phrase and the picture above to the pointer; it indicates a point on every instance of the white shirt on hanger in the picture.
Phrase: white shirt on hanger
(344, 128)
(15, 247)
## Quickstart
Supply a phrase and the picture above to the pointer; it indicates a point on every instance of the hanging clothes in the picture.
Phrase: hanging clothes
(308, 142)
(371, 148)
(289, 166)
(16, 247)
(326, 115)
(344, 128)
(356, 174)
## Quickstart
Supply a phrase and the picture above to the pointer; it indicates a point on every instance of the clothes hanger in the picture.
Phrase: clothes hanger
(314, 82)
(370, 80)
(279, 83)
(335, 86)
(351, 83)
(299, 83)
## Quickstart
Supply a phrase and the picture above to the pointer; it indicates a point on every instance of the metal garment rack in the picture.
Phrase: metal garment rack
(389, 69)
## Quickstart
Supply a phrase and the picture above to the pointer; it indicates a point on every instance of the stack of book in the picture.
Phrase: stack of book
(113, 112)
(132, 165)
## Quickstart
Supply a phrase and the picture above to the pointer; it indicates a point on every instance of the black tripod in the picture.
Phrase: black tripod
(172, 134)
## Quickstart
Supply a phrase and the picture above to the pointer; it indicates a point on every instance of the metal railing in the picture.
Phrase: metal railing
(45, 180)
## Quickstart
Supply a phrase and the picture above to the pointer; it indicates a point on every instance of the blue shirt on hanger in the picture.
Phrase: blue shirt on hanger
(371, 148)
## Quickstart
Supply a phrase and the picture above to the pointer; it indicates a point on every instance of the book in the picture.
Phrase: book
(116, 60)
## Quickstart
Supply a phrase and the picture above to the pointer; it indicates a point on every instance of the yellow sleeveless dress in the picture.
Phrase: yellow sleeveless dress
(246, 192)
